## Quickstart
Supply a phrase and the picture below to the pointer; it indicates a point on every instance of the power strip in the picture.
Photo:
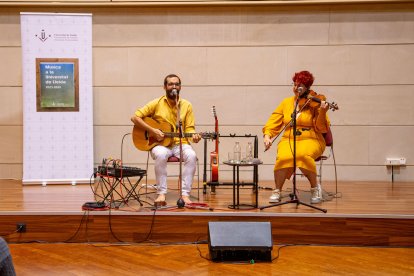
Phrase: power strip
(397, 161)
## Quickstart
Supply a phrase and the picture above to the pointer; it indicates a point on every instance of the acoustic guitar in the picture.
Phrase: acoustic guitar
(214, 155)
(144, 141)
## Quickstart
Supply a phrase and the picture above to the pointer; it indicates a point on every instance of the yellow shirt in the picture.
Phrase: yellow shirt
(160, 110)
(310, 144)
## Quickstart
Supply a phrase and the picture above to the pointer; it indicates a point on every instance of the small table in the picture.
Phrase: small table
(236, 181)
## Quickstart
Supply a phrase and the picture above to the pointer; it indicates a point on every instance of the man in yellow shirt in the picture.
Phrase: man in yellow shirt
(173, 110)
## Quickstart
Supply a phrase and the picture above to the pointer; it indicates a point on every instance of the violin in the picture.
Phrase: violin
(314, 100)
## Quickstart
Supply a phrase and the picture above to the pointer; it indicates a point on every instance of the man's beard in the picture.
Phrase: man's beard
(170, 94)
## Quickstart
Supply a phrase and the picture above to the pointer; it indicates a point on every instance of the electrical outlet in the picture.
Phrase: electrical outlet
(395, 161)
(21, 227)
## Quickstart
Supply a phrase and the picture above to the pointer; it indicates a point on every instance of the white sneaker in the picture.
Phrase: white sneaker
(316, 194)
(275, 197)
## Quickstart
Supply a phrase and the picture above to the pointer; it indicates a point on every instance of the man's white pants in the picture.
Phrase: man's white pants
(160, 154)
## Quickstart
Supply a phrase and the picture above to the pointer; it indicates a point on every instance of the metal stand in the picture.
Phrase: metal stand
(293, 196)
(180, 201)
(113, 177)
(236, 184)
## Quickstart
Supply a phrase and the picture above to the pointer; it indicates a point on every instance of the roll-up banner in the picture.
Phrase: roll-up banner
(57, 98)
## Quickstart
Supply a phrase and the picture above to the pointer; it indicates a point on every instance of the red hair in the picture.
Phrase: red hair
(303, 77)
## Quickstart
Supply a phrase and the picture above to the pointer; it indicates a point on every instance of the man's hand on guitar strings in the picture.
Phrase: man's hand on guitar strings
(196, 137)
(158, 134)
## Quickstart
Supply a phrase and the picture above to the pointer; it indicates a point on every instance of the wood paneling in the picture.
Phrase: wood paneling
(362, 231)
(374, 214)
(11, 67)
(272, 65)
(12, 111)
(11, 144)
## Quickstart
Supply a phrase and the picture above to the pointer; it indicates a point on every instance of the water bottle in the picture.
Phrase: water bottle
(249, 152)
(237, 152)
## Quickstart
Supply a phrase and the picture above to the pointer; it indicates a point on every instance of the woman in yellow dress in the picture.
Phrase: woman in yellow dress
(312, 122)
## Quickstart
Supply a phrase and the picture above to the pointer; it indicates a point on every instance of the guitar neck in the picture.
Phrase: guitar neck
(175, 134)
(217, 131)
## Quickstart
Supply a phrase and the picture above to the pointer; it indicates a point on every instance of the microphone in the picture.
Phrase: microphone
(301, 91)
(174, 92)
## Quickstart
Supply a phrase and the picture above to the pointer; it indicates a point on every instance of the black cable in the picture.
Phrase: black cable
(11, 233)
(95, 194)
(110, 223)
(151, 227)
(278, 251)
(32, 241)
(122, 145)
(199, 251)
(290, 138)
(146, 193)
(86, 226)
(144, 240)
(337, 194)
(177, 243)
(77, 230)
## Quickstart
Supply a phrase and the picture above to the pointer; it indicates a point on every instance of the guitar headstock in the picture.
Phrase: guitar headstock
(213, 110)
(216, 127)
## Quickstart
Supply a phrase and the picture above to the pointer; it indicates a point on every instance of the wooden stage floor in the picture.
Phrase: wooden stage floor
(361, 213)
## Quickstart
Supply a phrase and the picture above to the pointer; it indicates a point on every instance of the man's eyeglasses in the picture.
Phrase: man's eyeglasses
(173, 83)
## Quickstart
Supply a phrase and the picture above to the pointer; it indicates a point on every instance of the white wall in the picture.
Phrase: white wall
(241, 60)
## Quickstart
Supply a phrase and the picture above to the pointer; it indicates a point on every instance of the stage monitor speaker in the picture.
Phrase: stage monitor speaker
(240, 241)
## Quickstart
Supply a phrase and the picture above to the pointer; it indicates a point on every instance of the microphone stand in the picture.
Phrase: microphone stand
(293, 196)
(180, 201)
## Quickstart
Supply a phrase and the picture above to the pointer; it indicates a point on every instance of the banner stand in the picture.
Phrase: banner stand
(57, 98)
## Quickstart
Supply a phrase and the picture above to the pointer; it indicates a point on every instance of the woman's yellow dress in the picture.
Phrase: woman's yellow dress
(310, 144)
